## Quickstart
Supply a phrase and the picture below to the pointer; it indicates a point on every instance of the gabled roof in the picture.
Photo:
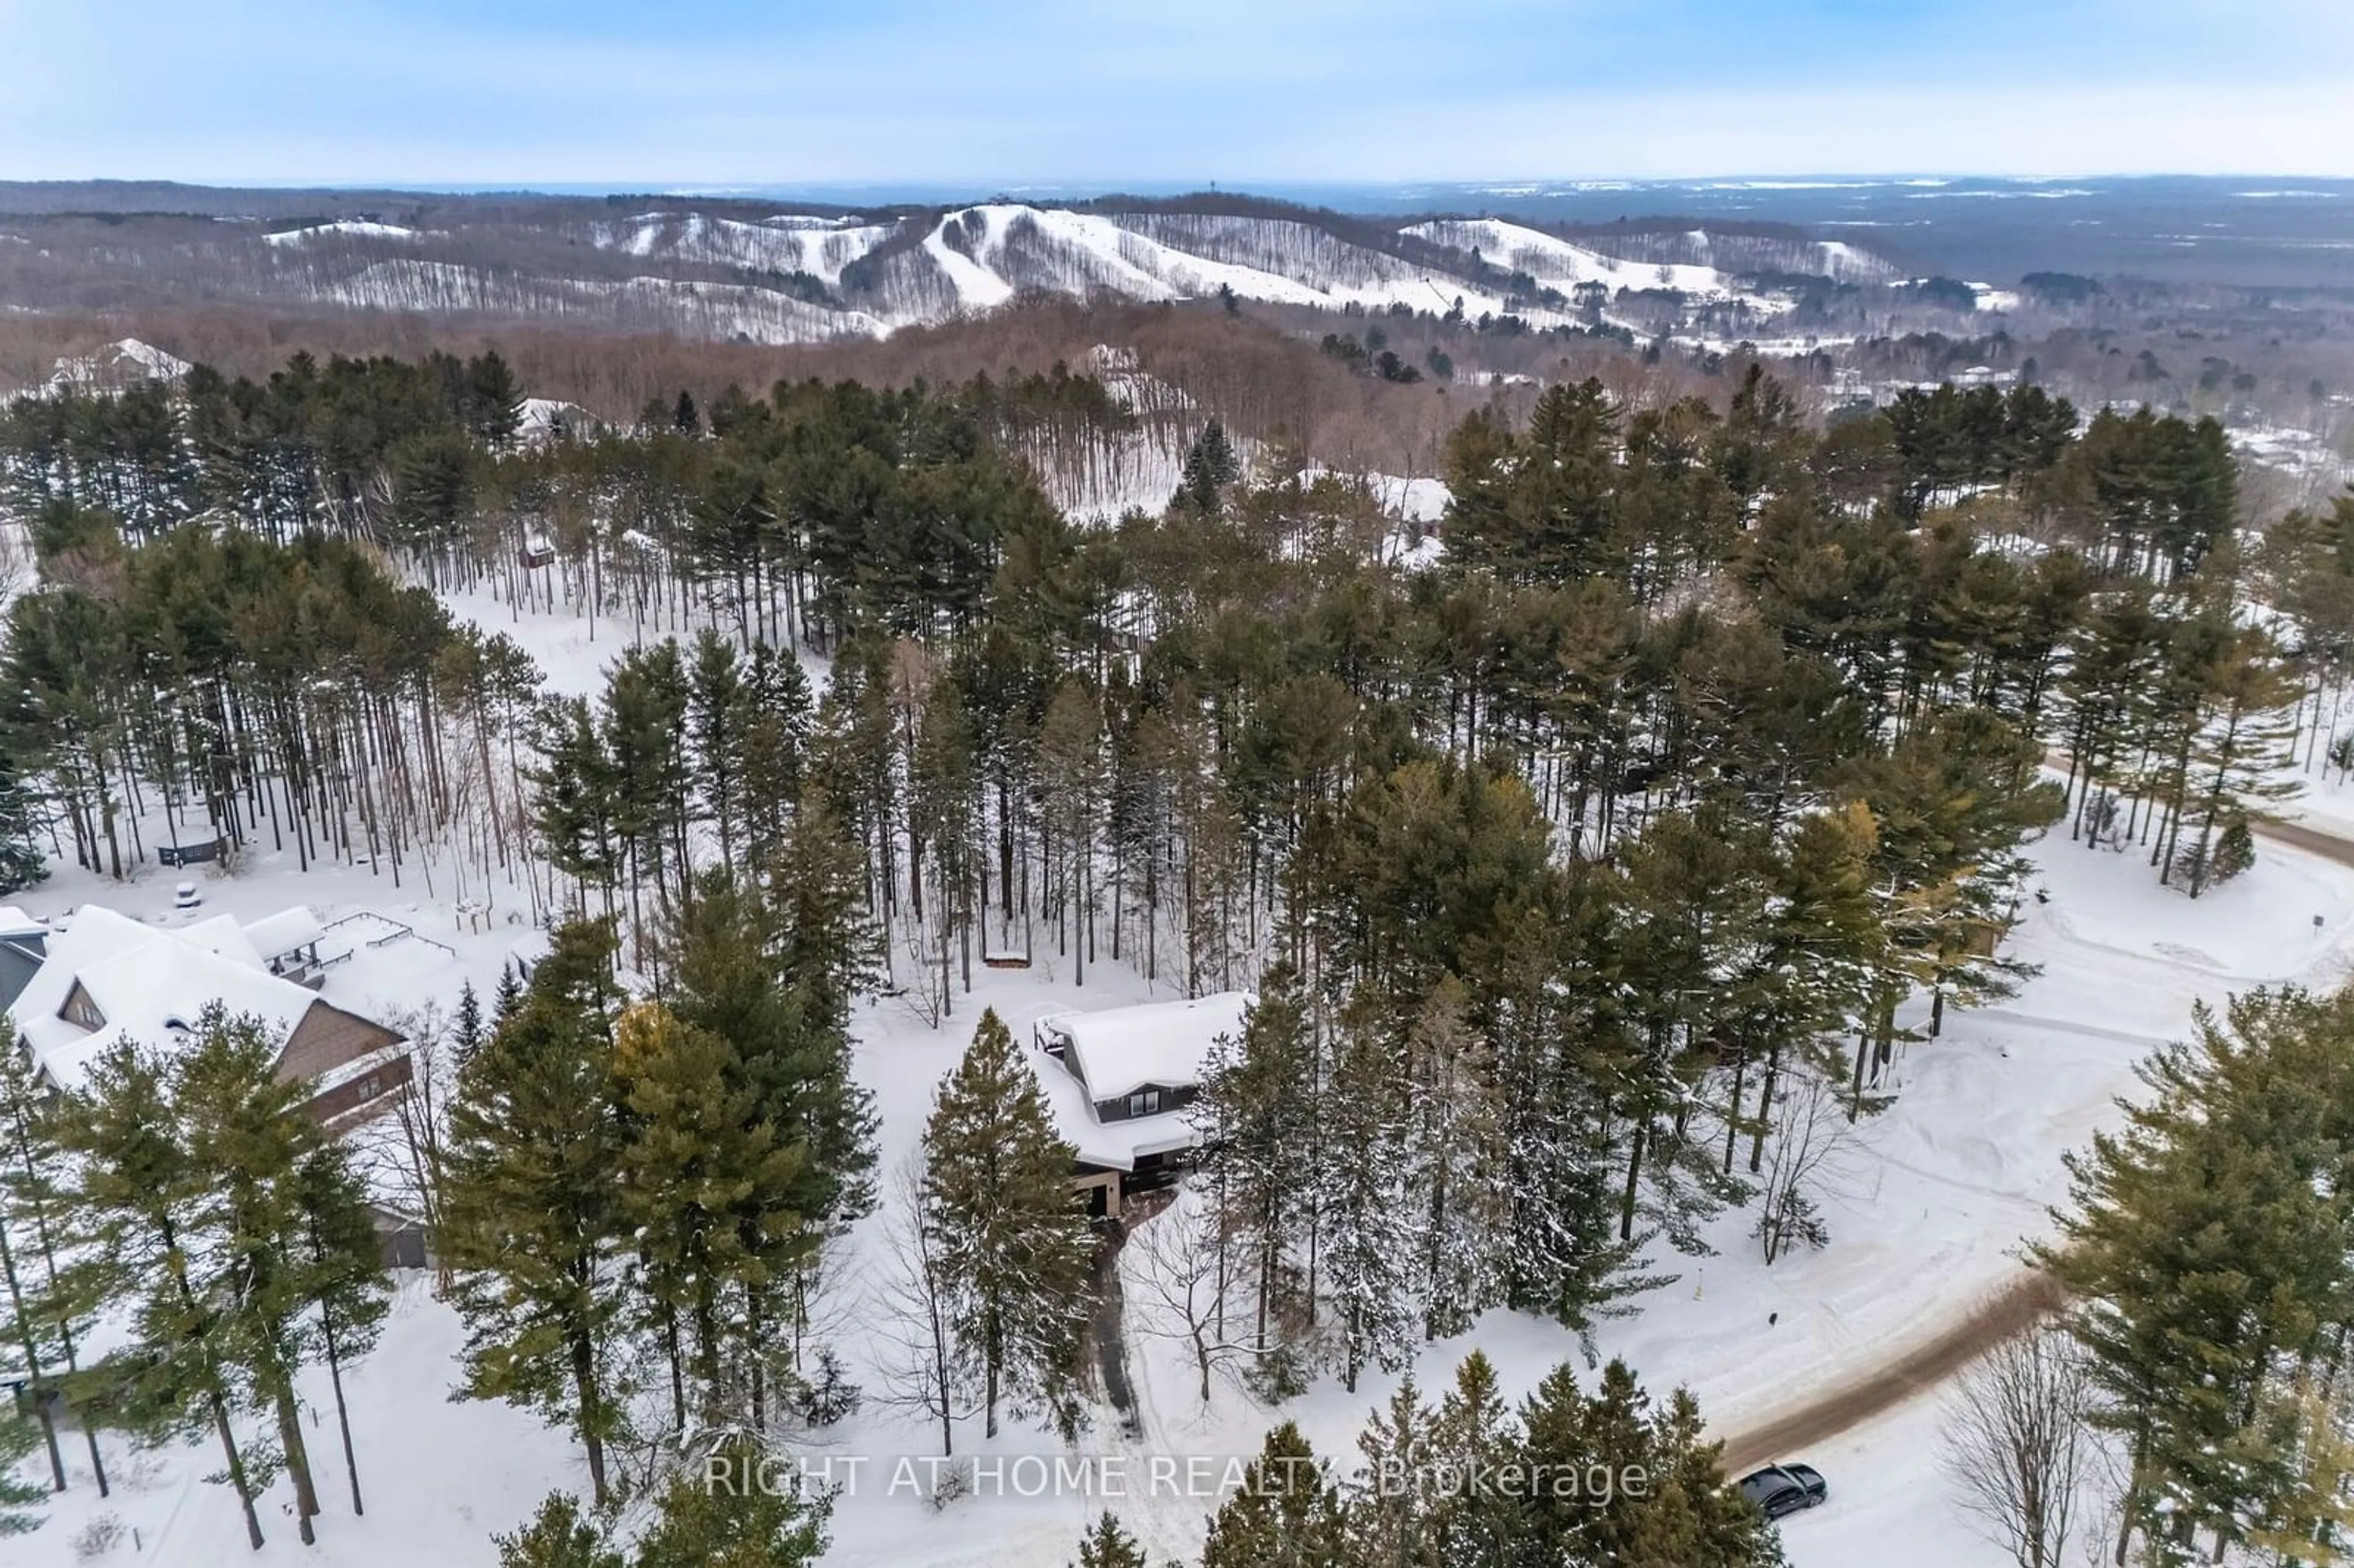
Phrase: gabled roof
(274, 935)
(148, 983)
(1123, 1049)
(1109, 1146)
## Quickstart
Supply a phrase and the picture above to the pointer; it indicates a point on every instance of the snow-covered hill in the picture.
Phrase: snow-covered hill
(819, 247)
(798, 277)
(1559, 264)
(358, 228)
(685, 305)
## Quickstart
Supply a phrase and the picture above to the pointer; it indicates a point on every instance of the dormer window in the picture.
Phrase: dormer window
(79, 1008)
(1144, 1102)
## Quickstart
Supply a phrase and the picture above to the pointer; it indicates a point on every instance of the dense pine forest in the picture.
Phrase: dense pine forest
(1584, 867)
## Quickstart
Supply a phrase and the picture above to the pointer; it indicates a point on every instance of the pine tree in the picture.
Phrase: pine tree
(1460, 1172)
(1209, 468)
(746, 1525)
(706, 1187)
(530, 1205)
(1284, 1515)
(772, 735)
(1108, 1545)
(23, 862)
(249, 1143)
(1373, 1240)
(466, 1033)
(47, 1318)
(771, 972)
(2206, 1244)
(1388, 1510)
(18, 1438)
(557, 1536)
(576, 813)
(717, 708)
(2238, 749)
(342, 1273)
(1472, 1436)
(1254, 1113)
(1015, 1243)
(141, 1202)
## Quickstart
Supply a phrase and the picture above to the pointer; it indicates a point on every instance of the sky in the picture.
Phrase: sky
(1106, 93)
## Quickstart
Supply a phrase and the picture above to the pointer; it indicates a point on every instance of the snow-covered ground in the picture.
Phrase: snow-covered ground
(1925, 1220)
(1927, 1211)
(352, 227)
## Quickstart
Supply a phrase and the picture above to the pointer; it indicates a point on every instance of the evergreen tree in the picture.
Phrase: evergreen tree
(1015, 1245)
(529, 1201)
(1461, 1171)
(1387, 1513)
(557, 1536)
(2206, 1244)
(23, 862)
(1473, 1435)
(249, 1143)
(1372, 1233)
(1284, 1515)
(18, 1438)
(46, 1320)
(706, 1187)
(1254, 1114)
(466, 1029)
(140, 1201)
(1108, 1545)
(1209, 468)
(743, 1526)
(342, 1275)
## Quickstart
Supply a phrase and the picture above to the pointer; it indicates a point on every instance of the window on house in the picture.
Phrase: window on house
(370, 1087)
(1144, 1102)
(80, 1008)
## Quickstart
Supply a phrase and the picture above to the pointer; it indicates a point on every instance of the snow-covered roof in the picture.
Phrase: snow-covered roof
(148, 983)
(15, 922)
(1123, 1049)
(1111, 1146)
(275, 935)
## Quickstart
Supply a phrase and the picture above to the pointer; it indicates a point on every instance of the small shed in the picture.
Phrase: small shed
(402, 1240)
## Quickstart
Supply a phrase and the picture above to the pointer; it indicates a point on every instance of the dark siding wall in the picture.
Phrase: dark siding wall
(1171, 1099)
(370, 1094)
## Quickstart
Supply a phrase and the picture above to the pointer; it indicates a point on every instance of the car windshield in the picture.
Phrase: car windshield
(1763, 1485)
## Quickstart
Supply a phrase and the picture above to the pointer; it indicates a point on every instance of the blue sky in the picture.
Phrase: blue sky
(1102, 92)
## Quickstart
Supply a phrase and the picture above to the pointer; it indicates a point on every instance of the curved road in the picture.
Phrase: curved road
(2009, 1311)
(2012, 1310)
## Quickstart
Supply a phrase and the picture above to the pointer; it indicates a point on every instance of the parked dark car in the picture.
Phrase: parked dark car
(1779, 1489)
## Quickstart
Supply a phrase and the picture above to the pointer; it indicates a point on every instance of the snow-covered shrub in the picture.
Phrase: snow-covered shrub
(955, 1481)
(101, 1536)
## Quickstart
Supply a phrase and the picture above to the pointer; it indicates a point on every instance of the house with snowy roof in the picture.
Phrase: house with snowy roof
(105, 977)
(1117, 1081)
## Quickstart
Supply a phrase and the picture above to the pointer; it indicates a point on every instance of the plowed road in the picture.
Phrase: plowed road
(1922, 1366)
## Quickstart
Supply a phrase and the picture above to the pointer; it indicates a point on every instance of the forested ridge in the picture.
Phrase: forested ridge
(1580, 872)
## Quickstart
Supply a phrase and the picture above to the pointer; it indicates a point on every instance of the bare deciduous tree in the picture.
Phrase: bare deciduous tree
(402, 1153)
(2016, 1444)
(1188, 1296)
(1808, 1145)
(917, 1356)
